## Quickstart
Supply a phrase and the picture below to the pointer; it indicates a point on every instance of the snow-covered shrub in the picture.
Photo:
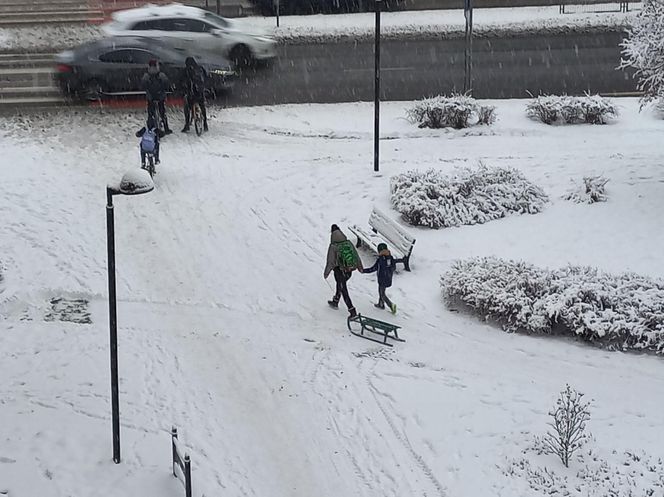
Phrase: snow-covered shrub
(545, 108)
(624, 311)
(486, 114)
(456, 111)
(643, 49)
(596, 109)
(591, 109)
(592, 190)
(471, 196)
(569, 420)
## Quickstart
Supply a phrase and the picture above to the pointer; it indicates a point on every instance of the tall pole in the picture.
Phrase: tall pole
(277, 13)
(378, 4)
(113, 325)
(468, 59)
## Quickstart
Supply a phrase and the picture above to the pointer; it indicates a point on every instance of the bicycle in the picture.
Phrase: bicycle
(197, 115)
(149, 167)
(155, 113)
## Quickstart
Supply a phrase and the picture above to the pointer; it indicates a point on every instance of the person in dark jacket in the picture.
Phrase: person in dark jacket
(157, 134)
(341, 274)
(194, 91)
(385, 265)
(156, 85)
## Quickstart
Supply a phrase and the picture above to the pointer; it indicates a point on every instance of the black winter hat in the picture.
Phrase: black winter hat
(381, 247)
(334, 228)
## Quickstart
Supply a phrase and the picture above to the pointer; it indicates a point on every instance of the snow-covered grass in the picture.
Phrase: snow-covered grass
(469, 196)
(437, 24)
(624, 311)
(224, 330)
(441, 24)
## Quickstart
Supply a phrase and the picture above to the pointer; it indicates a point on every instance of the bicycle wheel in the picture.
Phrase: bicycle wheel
(198, 119)
(151, 165)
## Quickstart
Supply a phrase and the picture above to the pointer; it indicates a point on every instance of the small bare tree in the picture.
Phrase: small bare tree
(569, 424)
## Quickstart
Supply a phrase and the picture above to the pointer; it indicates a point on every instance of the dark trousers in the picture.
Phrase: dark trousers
(188, 107)
(382, 297)
(341, 277)
(161, 104)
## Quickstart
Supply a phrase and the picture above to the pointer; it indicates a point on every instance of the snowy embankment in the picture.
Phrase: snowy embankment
(225, 333)
(436, 24)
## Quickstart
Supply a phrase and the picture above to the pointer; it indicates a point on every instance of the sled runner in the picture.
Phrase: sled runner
(386, 330)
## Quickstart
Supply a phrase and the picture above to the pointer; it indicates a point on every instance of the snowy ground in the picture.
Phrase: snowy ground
(223, 325)
(329, 28)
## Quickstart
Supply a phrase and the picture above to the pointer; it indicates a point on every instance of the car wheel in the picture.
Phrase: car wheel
(92, 90)
(241, 56)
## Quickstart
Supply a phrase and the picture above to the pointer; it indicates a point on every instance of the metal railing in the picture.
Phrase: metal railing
(575, 6)
(184, 463)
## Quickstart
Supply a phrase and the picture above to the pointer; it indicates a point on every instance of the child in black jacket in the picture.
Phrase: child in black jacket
(385, 265)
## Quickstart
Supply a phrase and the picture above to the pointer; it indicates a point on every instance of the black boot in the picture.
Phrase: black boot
(333, 304)
(352, 312)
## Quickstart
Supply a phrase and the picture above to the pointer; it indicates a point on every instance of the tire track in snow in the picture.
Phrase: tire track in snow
(403, 439)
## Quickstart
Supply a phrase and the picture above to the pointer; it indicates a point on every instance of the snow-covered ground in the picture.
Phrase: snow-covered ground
(329, 28)
(225, 333)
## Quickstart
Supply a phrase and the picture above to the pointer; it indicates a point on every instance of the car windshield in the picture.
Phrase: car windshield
(216, 20)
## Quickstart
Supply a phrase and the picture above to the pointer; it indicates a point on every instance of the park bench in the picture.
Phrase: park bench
(384, 229)
(386, 330)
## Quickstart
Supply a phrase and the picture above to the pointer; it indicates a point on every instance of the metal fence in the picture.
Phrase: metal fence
(184, 463)
(577, 6)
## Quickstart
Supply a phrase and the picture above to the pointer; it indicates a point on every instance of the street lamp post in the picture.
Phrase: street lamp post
(133, 183)
(277, 13)
(378, 4)
(468, 59)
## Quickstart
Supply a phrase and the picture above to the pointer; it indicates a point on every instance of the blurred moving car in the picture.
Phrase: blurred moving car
(193, 29)
(115, 66)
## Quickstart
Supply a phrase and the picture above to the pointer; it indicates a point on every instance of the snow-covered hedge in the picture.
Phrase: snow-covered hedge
(620, 311)
(591, 109)
(471, 196)
(456, 111)
(592, 190)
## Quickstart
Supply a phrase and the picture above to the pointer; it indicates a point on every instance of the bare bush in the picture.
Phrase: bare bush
(569, 425)
(593, 190)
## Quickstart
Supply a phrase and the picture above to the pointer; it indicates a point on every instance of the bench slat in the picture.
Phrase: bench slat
(372, 240)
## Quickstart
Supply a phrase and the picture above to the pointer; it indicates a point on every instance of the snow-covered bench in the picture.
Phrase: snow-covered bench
(385, 230)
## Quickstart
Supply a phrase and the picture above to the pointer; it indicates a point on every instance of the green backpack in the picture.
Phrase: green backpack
(346, 256)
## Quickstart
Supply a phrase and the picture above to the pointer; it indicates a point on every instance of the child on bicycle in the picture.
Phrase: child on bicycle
(385, 265)
(150, 135)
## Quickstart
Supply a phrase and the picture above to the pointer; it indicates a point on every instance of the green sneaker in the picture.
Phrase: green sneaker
(393, 308)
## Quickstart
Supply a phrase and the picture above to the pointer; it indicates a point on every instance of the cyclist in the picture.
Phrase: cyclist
(156, 84)
(194, 91)
(150, 135)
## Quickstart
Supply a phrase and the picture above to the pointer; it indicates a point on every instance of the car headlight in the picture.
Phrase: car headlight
(223, 72)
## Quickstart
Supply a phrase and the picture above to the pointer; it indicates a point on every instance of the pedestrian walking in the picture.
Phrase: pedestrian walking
(342, 260)
(385, 265)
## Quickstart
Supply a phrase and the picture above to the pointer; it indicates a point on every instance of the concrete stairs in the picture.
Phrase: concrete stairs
(27, 80)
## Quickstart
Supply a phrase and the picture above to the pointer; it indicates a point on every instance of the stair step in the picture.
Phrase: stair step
(53, 19)
(12, 102)
(30, 92)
